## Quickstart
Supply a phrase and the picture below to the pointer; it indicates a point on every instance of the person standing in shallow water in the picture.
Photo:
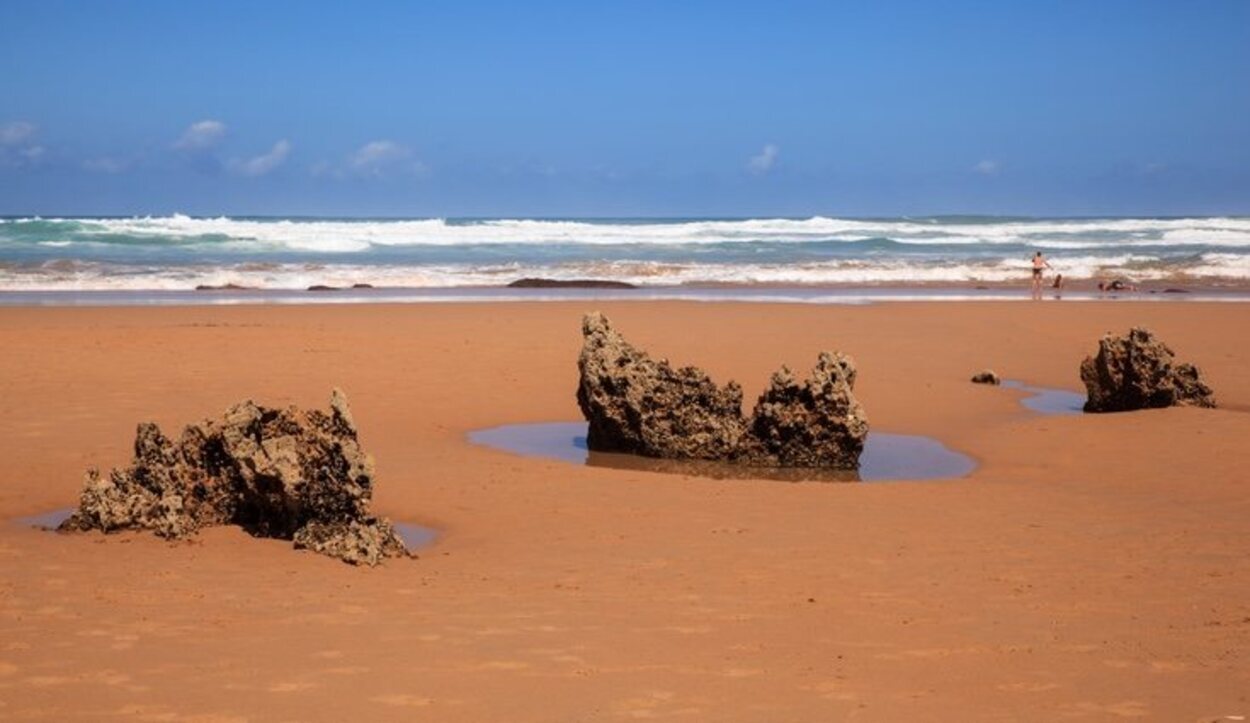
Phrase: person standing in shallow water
(1039, 264)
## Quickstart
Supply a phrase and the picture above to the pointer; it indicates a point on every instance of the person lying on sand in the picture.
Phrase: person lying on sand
(1116, 285)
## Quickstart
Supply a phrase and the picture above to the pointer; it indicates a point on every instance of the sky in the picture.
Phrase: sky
(613, 109)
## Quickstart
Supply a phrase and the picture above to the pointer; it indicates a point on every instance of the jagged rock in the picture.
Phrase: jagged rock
(286, 473)
(816, 423)
(1138, 371)
(638, 405)
(986, 376)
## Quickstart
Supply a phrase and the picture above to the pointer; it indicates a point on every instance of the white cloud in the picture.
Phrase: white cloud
(987, 167)
(17, 145)
(266, 162)
(105, 164)
(15, 132)
(321, 168)
(375, 157)
(201, 135)
(763, 161)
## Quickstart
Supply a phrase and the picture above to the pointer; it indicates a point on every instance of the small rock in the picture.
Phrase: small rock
(986, 376)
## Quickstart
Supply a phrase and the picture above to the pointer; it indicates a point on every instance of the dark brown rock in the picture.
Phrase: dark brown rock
(285, 473)
(639, 405)
(986, 376)
(224, 287)
(532, 283)
(1137, 371)
(322, 287)
(813, 423)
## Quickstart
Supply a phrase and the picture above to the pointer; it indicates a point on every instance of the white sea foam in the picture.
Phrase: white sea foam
(91, 276)
(359, 235)
(172, 252)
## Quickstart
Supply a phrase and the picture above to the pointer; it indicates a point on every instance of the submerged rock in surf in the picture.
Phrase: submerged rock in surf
(538, 283)
(291, 474)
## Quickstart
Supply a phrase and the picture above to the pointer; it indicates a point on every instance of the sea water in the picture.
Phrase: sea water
(178, 253)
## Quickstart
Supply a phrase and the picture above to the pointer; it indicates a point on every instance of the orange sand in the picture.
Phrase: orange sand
(1092, 568)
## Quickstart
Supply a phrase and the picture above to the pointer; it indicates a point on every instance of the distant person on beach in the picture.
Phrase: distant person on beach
(1039, 264)
(1116, 285)
(1057, 286)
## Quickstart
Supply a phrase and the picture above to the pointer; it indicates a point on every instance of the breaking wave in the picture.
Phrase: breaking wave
(180, 252)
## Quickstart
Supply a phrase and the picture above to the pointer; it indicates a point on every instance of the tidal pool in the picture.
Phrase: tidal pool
(1048, 401)
(885, 457)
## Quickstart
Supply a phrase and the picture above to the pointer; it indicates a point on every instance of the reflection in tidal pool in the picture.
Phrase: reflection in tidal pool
(885, 457)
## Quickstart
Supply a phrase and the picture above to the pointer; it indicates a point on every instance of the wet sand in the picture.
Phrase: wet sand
(1090, 568)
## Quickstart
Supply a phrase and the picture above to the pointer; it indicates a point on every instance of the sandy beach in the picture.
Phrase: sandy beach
(1092, 567)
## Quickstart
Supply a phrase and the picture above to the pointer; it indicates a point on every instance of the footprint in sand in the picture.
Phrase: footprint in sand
(502, 665)
(655, 704)
(1026, 687)
(44, 681)
(290, 687)
(1122, 709)
(403, 700)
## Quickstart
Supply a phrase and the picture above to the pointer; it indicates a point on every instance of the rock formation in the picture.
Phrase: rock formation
(291, 474)
(539, 283)
(638, 405)
(814, 423)
(1138, 371)
(986, 376)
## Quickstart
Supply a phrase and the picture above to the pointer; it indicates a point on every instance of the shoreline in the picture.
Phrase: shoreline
(763, 293)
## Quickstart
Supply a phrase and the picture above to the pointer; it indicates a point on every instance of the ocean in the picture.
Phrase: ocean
(178, 253)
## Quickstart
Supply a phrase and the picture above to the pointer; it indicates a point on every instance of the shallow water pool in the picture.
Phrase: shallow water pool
(885, 457)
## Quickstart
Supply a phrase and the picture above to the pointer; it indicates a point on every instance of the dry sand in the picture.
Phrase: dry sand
(1092, 568)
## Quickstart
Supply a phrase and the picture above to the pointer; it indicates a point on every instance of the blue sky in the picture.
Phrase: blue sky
(625, 109)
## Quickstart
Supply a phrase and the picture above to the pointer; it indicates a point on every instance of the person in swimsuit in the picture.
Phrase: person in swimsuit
(1039, 263)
